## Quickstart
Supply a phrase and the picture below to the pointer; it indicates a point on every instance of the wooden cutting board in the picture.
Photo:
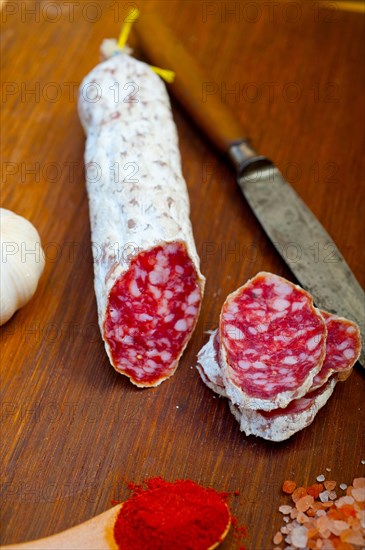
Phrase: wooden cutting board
(74, 431)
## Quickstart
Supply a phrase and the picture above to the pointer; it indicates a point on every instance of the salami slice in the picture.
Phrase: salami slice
(147, 278)
(281, 424)
(209, 366)
(343, 346)
(273, 343)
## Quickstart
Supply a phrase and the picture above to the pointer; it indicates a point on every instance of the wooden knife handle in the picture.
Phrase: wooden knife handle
(191, 86)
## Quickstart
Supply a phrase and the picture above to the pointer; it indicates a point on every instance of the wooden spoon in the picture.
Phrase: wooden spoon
(94, 534)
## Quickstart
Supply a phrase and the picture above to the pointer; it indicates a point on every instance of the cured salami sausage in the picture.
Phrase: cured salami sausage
(273, 343)
(281, 424)
(147, 278)
(343, 346)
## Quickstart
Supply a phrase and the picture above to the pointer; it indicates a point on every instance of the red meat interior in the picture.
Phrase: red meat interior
(151, 313)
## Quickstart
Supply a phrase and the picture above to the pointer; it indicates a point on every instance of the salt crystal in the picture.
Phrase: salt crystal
(277, 538)
(301, 517)
(320, 513)
(359, 482)
(327, 545)
(323, 497)
(322, 523)
(344, 500)
(353, 537)
(363, 461)
(358, 494)
(299, 537)
(332, 495)
(343, 486)
(286, 519)
(320, 478)
(340, 525)
(303, 503)
(284, 530)
(328, 469)
(293, 513)
(285, 509)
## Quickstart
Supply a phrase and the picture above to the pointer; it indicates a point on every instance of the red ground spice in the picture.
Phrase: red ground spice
(162, 515)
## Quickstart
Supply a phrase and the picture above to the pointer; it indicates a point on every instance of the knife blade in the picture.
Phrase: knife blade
(296, 233)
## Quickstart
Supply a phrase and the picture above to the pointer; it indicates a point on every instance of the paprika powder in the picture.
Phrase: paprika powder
(178, 515)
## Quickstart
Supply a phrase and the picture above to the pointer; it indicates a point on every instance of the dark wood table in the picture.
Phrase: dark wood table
(73, 431)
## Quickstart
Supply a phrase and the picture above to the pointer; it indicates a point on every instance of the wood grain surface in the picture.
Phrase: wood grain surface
(73, 431)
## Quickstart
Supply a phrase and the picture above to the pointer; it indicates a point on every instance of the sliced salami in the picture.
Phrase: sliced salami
(343, 346)
(273, 343)
(281, 424)
(148, 283)
(209, 366)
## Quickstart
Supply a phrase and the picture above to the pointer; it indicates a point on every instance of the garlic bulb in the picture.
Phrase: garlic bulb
(21, 262)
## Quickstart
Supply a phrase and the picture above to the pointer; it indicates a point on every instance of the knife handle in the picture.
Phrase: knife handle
(194, 90)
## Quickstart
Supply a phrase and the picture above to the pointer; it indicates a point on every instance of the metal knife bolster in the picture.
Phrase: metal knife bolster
(245, 159)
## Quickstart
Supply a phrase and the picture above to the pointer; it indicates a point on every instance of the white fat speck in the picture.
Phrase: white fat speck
(249, 351)
(145, 317)
(349, 353)
(180, 325)
(289, 360)
(165, 356)
(234, 332)
(127, 340)
(252, 330)
(155, 277)
(283, 289)
(152, 353)
(244, 364)
(168, 294)
(171, 248)
(191, 310)
(350, 330)
(156, 292)
(283, 370)
(233, 308)
(163, 308)
(179, 269)
(169, 317)
(134, 290)
(151, 363)
(313, 342)
(194, 297)
(303, 356)
(259, 365)
(260, 313)
(278, 315)
(115, 315)
(228, 317)
(297, 306)
(279, 304)
(343, 345)
(162, 259)
(262, 328)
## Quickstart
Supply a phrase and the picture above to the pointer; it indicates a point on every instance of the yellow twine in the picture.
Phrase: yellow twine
(126, 27)
(166, 74)
(132, 16)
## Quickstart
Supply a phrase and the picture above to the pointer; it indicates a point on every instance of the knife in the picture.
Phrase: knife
(299, 237)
